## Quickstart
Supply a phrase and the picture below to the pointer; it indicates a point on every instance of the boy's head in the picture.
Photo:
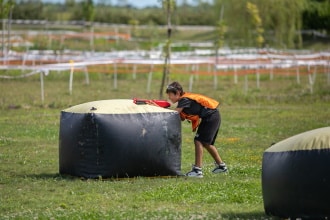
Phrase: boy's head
(174, 91)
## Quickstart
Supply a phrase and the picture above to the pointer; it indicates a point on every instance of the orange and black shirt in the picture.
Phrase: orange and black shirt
(195, 106)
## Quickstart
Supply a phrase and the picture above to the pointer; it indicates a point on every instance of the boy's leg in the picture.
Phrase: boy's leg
(198, 153)
(214, 153)
(220, 165)
(197, 167)
(205, 138)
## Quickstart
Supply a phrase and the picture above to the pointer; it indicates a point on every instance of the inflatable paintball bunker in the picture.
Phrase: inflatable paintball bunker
(296, 176)
(117, 138)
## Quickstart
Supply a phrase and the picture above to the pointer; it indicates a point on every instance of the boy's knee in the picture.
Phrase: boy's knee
(207, 146)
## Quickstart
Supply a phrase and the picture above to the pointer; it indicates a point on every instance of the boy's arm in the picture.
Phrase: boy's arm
(180, 110)
(158, 103)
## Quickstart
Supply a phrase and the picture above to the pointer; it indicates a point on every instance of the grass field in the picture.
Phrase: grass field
(32, 188)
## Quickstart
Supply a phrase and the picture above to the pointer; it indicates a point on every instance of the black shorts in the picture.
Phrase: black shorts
(208, 129)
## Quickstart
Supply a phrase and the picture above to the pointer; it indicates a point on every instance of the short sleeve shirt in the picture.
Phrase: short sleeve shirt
(191, 107)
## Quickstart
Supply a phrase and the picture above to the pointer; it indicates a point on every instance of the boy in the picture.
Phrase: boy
(194, 107)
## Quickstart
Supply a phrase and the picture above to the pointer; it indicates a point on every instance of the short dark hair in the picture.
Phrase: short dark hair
(174, 88)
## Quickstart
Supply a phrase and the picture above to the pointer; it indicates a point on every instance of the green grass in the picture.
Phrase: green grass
(32, 188)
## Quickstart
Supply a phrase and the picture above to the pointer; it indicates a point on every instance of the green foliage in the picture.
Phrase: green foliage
(88, 10)
(30, 9)
(280, 16)
(282, 20)
(5, 7)
(169, 7)
(317, 15)
(134, 23)
(220, 30)
(257, 22)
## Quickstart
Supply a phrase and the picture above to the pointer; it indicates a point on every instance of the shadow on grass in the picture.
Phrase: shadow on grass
(58, 176)
(55, 176)
(263, 216)
(248, 215)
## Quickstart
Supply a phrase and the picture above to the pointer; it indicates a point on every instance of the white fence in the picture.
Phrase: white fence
(231, 62)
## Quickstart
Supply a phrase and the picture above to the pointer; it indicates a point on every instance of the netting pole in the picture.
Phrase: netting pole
(42, 86)
(246, 84)
(134, 71)
(115, 76)
(329, 72)
(150, 78)
(86, 75)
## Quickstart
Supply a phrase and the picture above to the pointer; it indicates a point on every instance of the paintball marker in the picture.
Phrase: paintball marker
(160, 103)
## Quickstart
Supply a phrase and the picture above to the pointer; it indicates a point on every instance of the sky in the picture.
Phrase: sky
(137, 3)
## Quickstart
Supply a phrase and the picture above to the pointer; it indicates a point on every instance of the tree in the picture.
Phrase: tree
(88, 10)
(70, 3)
(284, 18)
(27, 10)
(6, 6)
(281, 17)
(134, 23)
(316, 15)
(6, 13)
(168, 6)
(220, 31)
(235, 16)
(252, 9)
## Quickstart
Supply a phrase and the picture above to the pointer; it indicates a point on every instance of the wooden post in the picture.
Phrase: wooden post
(258, 78)
(311, 79)
(215, 77)
(42, 86)
(328, 72)
(134, 71)
(191, 82)
(115, 75)
(235, 75)
(71, 76)
(246, 84)
(297, 73)
(150, 78)
(86, 75)
(258, 74)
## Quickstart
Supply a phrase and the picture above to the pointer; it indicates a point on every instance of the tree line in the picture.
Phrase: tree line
(243, 22)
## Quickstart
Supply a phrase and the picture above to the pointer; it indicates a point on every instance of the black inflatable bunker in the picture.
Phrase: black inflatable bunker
(296, 176)
(117, 138)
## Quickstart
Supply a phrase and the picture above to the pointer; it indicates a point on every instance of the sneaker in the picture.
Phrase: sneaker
(195, 172)
(220, 168)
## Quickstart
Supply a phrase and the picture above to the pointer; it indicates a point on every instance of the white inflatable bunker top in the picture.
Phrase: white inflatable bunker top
(115, 106)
